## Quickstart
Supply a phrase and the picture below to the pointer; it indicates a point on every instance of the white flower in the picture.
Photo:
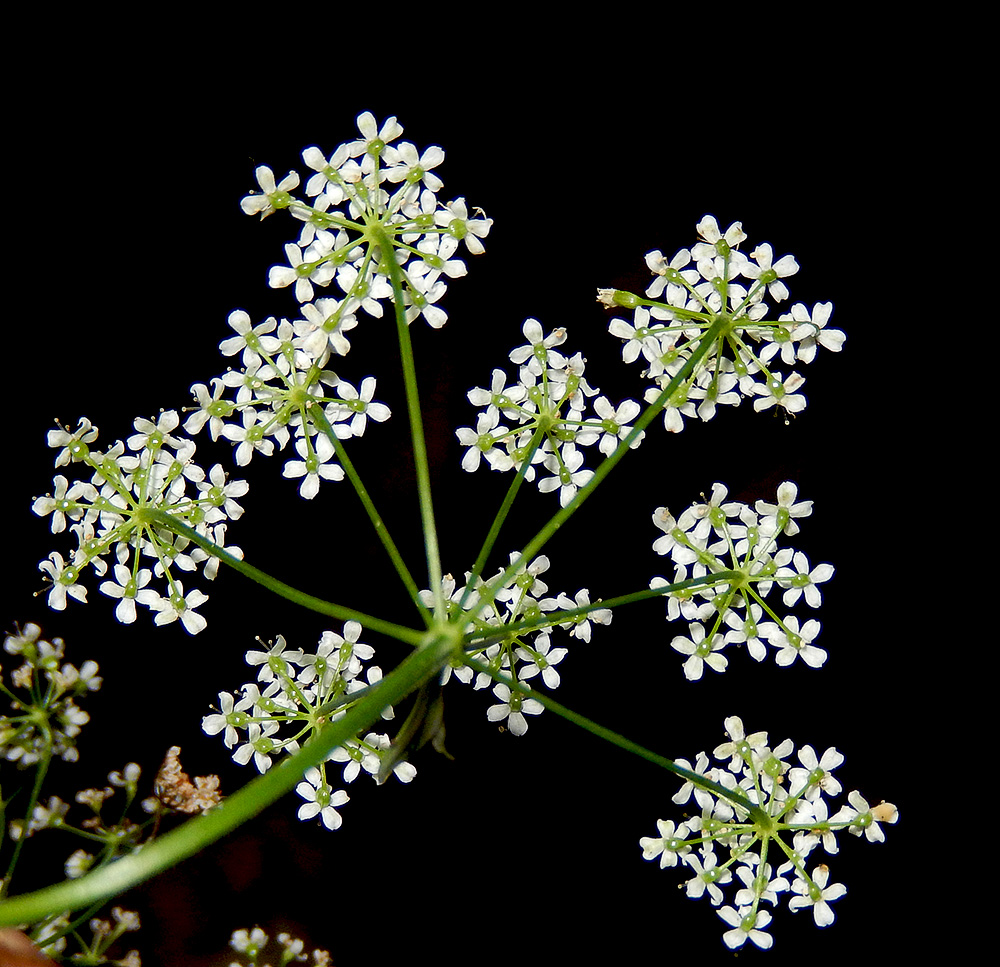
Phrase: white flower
(250, 437)
(779, 392)
(580, 625)
(316, 466)
(152, 436)
(304, 268)
(230, 717)
(78, 863)
(786, 509)
(864, 819)
(259, 746)
(370, 132)
(541, 657)
(353, 755)
(221, 494)
(126, 591)
(320, 799)
(481, 440)
(673, 415)
(746, 631)
(810, 330)
(707, 879)
(455, 217)
(708, 229)
(758, 885)
(312, 332)
(794, 642)
(816, 815)
(274, 661)
(700, 652)
(246, 941)
(668, 846)
(420, 302)
(176, 606)
(404, 771)
(701, 519)
(537, 350)
(817, 895)
(415, 169)
(514, 706)
(358, 406)
(815, 778)
(272, 196)
(62, 501)
(72, 444)
(249, 339)
(745, 926)
(741, 744)
(670, 276)
(569, 474)
(211, 409)
(614, 423)
(771, 274)
(64, 577)
(316, 160)
(638, 338)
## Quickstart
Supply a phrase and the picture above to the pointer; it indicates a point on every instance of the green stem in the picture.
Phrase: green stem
(388, 628)
(36, 789)
(652, 411)
(420, 461)
(755, 812)
(501, 516)
(419, 667)
(551, 618)
(319, 418)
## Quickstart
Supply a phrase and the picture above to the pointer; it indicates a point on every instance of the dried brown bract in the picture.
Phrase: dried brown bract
(175, 789)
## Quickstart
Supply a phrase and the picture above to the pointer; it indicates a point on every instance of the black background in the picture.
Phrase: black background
(133, 250)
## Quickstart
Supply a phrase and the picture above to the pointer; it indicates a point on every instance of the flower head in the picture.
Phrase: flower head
(751, 810)
(701, 288)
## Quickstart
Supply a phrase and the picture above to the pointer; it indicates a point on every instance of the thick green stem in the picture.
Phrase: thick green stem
(419, 667)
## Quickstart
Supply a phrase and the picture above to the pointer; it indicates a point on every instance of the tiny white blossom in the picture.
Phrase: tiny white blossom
(746, 927)
(321, 799)
(817, 895)
(669, 846)
(512, 708)
(272, 197)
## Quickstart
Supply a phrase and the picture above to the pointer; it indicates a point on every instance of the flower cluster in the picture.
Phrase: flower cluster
(295, 694)
(763, 852)
(721, 535)
(97, 950)
(286, 949)
(545, 417)
(369, 189)
(271, 401)
(118, 835)
(519, 653)
(700, 287)
(45, 722)
(350, 227)
(45, 719)
(282, 391)
(112, 514)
